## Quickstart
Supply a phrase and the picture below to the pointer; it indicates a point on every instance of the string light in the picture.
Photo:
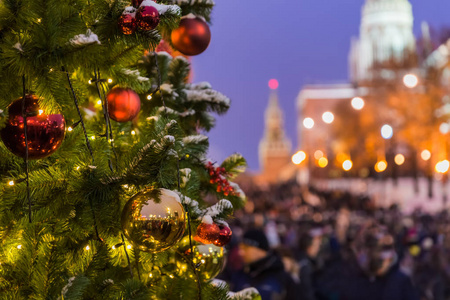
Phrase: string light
(19, 247)
(39, 20)
(87, 248)
(69, 129)
(11, 183)
(77, 168)
(113, 247)
(93, 137)
(149, 97)
(129, 247)
(40, 112)
(90, 81)
(171, 276)
(133, 132)
(99, 102)
(110, 80)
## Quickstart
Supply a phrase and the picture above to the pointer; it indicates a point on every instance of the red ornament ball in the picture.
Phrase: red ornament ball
(224, 236)
(192, 37)
(127, 24)
(45, 133)
(147, 18)
(123, 104)
(207, 233)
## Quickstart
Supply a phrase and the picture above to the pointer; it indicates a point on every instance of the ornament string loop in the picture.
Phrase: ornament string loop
(25, 127)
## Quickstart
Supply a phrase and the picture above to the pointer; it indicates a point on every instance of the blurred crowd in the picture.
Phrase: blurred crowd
(295, 242)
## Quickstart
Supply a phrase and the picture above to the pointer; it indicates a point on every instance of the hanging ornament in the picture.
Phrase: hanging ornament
(209, 260)
(147, 18)
(152, 223)
(224, 236)
(127, 22)
(45, 133)
(123, 104)
(192, 37)
(207, 232)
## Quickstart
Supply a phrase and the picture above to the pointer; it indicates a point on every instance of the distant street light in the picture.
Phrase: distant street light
(386, 131)
(442, 166)
(308, 123)
(347, 165)
(357, 103)
(399, 159)
(426, 155)
(328, 117)
(381, 166)
(410, 80)
(322, 162)
(298, 157)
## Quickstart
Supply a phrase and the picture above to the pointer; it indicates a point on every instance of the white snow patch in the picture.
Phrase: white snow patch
(195, 139)
(207, 220)
(169, 139)
(18, 46)
(85, 39)
(165, 193)
(207, 95)
(162, 8)
(218, 208)
(129, 10)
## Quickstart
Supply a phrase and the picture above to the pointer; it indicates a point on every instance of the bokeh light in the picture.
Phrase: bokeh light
(308, 123)
(399, 159)
(425, 155)
(298, 157)
(318, 154)
(410, 80)
(347, 165)
(387, 131)
(381, 166)
(357, 103)
(442, 166)
(273, 84)
(322, 162)
(328, 117)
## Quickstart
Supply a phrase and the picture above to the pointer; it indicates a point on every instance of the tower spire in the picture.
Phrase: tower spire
(274, 147)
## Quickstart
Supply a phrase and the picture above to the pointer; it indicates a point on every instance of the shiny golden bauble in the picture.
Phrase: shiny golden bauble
(153, 220)
(208, 259)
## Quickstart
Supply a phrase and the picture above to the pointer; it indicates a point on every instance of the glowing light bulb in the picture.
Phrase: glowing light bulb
(19, 247)
(308, 123)
(328, 117)
(40, 112)
(113, 247)
(87, 248)
(110, 80)
(133, 132)
(149, 97)
(93, 137)
(11, 183)
(69, 129)
(90, 81)
(99, 102)
(129, 247)
(273, 84)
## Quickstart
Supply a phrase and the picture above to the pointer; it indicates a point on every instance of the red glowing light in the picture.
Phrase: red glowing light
(273, 84)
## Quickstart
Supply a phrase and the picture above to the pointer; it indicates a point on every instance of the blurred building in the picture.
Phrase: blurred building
(274, 147)
(386, 38)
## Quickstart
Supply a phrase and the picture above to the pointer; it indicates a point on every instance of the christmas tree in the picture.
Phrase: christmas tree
(106, 192)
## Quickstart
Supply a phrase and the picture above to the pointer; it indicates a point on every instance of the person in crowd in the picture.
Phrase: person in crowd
(263, 269)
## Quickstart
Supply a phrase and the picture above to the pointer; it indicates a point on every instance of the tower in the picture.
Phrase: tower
(386, 34)
(274, 147)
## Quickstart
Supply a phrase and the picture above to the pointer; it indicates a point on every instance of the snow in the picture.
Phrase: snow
(164, 53)
(194, 139)
(218, 208)
(135, 73)
(200, 85)
(18, 46)
(84, 39)
(207, 95)
(169, 138)
(129, 10)
(237, 189)
(166, 87)
(245, 294)
(162, 8)
(165, 193)
(187, 113)
(207, 220)
(171, 124)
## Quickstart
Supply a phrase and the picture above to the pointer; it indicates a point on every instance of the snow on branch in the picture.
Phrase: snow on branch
(84, 39)
(194, 139)
(207, 95)
(162, 8)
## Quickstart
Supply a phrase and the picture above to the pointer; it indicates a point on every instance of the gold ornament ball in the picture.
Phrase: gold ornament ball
(153, 220)
(210, 260)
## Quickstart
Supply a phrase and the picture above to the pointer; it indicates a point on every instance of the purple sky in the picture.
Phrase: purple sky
(297, 42)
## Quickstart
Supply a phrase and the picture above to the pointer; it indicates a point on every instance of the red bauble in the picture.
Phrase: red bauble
(224, 236)
(192, 37)
(45, 133)
(123, 104)
(127, 24)
(147, 18)
(207, 233)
